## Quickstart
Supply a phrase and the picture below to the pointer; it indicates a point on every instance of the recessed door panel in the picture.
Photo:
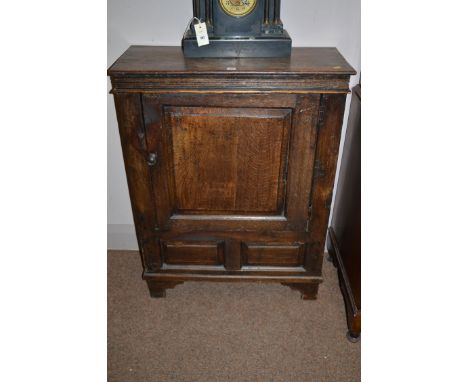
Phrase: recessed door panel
(229, 160)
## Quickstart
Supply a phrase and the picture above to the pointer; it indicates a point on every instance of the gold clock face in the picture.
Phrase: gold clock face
(238, 8)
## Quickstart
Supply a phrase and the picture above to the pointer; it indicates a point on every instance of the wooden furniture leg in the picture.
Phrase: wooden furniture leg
(308, 291)
(158, 288)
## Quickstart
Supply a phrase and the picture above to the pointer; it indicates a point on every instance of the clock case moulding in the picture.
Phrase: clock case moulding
(257, 34)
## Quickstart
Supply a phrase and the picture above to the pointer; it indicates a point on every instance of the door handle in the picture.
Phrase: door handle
(152, 159)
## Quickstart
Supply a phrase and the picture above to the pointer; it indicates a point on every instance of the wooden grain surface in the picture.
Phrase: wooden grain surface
(169, 59)
(229, 160)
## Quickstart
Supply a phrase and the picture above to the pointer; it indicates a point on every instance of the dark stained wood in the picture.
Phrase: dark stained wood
(197, 274)
(271, 254)
(147, 69)
(132, 136)
(193, 252)
(344, 236)
(353, 311)
(153, 60)
(302, 154)
(230, 163)
(328, 143)
(244, 164)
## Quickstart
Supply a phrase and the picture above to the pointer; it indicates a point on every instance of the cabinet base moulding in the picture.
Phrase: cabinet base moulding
(158, 283)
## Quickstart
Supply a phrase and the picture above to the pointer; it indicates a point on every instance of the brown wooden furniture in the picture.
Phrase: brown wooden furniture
(344, 235)
(230, 163)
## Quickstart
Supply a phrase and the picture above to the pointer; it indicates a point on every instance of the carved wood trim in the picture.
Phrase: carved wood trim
(243, 83)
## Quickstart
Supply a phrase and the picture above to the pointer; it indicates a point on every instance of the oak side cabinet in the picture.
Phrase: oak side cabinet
(230, 163)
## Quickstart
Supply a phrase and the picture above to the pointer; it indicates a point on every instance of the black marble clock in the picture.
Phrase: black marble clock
(239, 28)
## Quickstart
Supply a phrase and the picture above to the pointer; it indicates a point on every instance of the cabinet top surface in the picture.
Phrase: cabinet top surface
(157, 60)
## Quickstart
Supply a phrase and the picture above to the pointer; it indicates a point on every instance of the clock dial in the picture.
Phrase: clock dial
(238, 8)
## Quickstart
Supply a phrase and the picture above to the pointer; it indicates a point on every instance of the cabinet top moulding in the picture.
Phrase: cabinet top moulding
(165, 69)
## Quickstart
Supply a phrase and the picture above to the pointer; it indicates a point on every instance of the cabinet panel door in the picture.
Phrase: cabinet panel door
(221, 161)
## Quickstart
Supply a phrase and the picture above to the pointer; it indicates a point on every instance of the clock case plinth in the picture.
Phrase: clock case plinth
(238, 47)
(259, 34)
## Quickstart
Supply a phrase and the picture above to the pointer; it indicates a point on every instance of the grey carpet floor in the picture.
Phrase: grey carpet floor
(225, 331)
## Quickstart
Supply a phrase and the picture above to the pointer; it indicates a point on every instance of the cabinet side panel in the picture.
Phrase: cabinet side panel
(328, 144)
(133, 140)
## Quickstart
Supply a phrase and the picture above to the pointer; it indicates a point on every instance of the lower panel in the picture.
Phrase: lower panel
(210, 253)
(208, 259)
(273, 254)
